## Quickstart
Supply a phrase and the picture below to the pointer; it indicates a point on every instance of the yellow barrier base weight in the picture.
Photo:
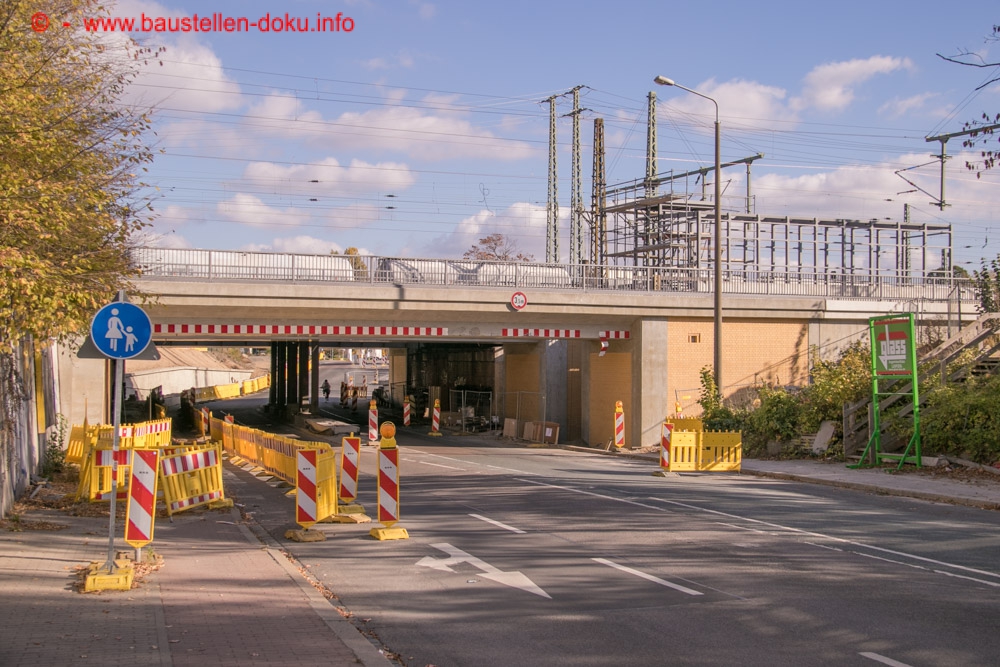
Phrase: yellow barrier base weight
(352, 508)
(347, 518)
(383, 533)
(220, 504)
(99, 579)
(296, 535)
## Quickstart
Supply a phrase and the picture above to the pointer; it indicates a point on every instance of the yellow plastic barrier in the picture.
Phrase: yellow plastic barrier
(694, 449)
(192, 479)
(316, 485)
(79, 438)
(274, 453)
(684, 451)
(228, 390)
(721, 451)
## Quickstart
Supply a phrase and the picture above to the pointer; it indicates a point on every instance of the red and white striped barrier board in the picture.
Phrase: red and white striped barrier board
(604, 347)
(665, 437)
(613, 334)
(350, 464)
(206, 421)
(388, 486)
(141, 510)
(372, 421)
(406, 412)
(540, 333)
(295, 330)
(305, 498)
(619, 425)
(189, 462)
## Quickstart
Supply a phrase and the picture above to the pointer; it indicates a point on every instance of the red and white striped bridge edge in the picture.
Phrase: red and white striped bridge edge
(540, 333)
(605, 335)
(141, 498)
(294, 330)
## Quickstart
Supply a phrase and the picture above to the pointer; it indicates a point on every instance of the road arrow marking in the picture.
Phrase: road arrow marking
(455, 556)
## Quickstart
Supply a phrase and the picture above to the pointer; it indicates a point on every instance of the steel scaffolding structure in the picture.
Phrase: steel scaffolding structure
(675, 231)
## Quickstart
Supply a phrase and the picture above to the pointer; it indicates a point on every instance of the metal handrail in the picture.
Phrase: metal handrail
(234, 265)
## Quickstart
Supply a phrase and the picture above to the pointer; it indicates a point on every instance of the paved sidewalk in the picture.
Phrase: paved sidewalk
(222, 598)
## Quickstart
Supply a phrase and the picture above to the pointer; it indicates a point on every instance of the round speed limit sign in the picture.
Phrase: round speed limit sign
(518, 301)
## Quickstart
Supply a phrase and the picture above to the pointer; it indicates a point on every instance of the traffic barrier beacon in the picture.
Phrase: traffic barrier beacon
(436, 418)
(666, 432)
(350, 466)
(140, 513)
(372, 422)
(619, 425)
(388, 487)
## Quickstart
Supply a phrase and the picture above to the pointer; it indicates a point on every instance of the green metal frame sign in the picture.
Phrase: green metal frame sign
(893, 343)
(893, 346)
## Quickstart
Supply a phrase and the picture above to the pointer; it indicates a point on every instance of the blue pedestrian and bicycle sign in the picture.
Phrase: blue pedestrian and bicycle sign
(121, 330)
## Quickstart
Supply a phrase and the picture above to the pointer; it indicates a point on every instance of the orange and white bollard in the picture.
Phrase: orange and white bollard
(372, 421)
(436, 418)
(141, 510)
(388, 487)
(666, 434)
(619, 425)
(406, 411)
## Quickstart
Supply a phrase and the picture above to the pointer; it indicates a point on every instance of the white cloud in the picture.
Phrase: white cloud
(896, 107)
(401, 59)
(187, 75)
(830, 87)
(251, 210)
(425, 10)
(747, 103)
(437, 135)
(332, 178)
(522, 222)
(307, 245)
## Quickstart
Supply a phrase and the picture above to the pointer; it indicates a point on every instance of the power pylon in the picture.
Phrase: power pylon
(552, 204)
(576, 188)
(651, 146)
(598, 216)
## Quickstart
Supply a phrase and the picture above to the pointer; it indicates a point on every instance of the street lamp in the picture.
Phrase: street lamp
(664, 81)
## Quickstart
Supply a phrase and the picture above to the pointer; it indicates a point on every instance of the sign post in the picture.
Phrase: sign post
(119, 331)
(894, 374)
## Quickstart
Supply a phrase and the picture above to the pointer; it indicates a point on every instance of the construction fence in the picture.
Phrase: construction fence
(692, 448)
(189, 475)
(274, 453)
(232, 390)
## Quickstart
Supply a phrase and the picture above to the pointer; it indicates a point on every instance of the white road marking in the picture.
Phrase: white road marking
(959, 576)
(862, 545)
(497, 523)
(514, 579)
(884, 660)
(596, 495)
(648, 577)
(436, 465)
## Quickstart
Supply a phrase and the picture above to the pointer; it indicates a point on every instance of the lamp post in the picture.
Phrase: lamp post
(717, 342)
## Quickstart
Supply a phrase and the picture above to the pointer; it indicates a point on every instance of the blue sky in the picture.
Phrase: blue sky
(421, 130)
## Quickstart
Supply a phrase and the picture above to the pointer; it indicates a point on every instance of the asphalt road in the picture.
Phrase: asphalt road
(545, 557)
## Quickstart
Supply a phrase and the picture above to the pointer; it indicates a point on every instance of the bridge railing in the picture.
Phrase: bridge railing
(185, 263)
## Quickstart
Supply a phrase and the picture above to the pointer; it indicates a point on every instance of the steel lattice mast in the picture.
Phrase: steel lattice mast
(576, 188)
(651, 147)
(598, 216)
(552, 204)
